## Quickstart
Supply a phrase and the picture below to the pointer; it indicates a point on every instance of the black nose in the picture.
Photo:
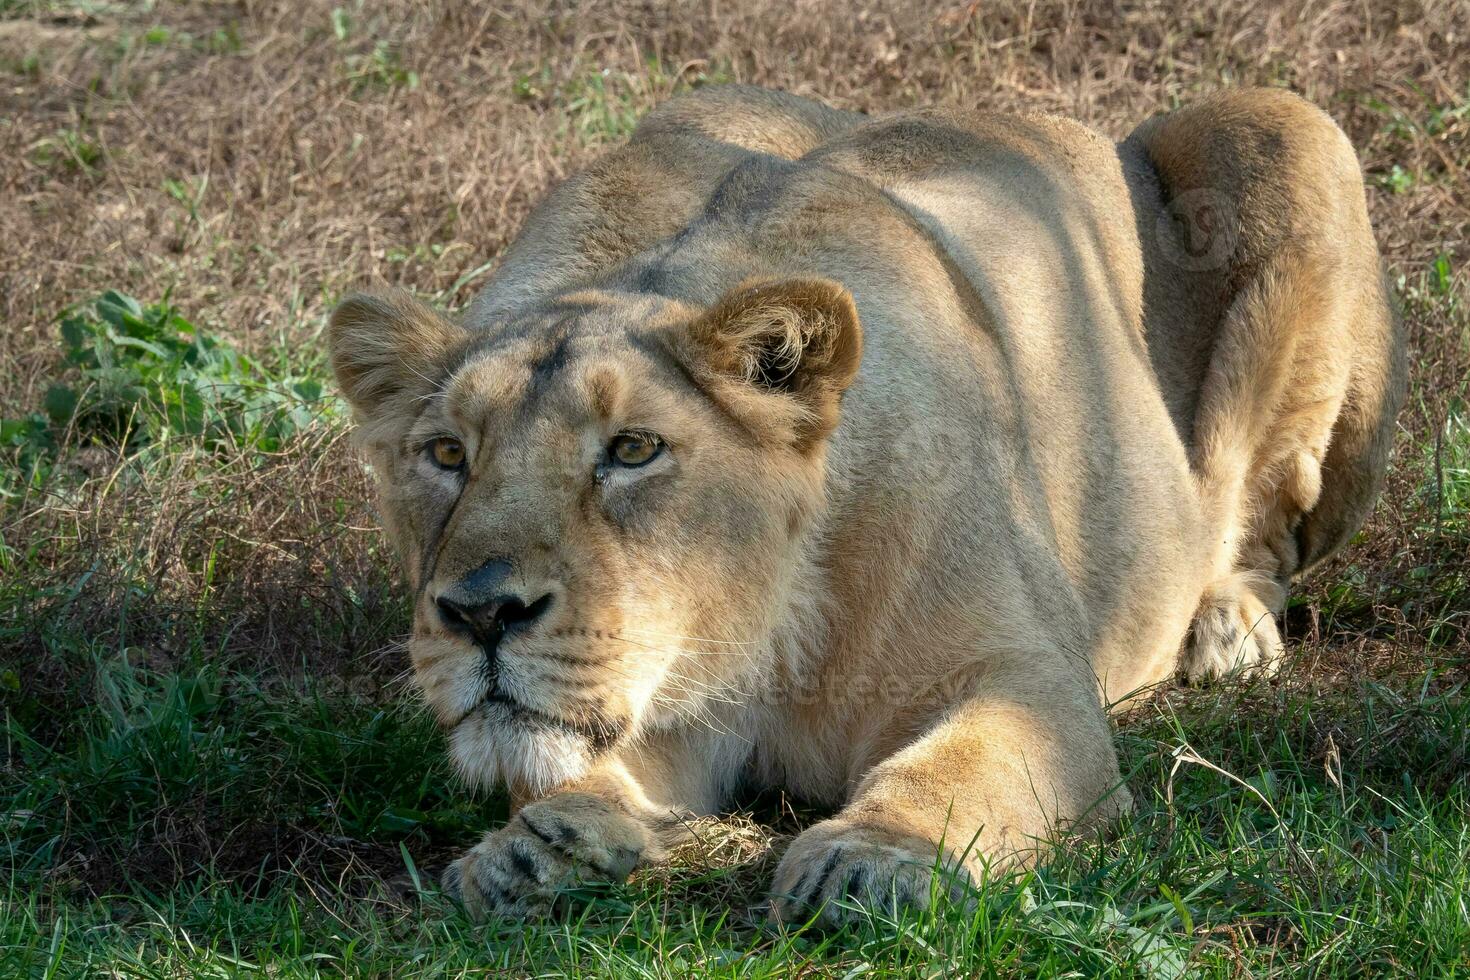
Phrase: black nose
(489, 621)
(482, 608)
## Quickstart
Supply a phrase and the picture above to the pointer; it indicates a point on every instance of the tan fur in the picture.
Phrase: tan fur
(976, 425)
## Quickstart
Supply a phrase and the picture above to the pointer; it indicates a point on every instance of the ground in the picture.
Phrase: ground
(213, 762)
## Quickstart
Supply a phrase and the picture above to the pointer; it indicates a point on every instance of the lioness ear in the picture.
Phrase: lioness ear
(797, 338)
(385, 346)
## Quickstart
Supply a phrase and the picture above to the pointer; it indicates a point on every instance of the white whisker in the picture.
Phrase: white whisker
(678, 650)
(657, 634)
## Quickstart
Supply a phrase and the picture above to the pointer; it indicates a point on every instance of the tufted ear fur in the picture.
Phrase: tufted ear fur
(386, 347)
(797, 339)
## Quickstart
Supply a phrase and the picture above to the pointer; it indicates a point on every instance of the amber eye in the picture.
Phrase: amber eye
(447, 453)
(635, 448)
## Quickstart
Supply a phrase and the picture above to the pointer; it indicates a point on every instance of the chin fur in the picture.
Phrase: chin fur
(493, 746)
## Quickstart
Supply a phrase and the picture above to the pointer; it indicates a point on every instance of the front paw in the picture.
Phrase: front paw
(517, 871)
(838, 869)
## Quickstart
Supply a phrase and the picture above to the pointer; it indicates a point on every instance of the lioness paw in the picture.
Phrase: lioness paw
(837, 870)
(517, 871)
(1234, 635)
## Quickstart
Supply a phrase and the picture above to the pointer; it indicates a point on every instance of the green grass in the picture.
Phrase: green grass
(1274, 828)
(206, 811)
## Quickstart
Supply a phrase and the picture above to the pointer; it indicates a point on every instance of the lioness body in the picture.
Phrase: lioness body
(900, 568)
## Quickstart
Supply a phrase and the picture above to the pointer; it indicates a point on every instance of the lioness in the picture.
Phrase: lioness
(875, 459)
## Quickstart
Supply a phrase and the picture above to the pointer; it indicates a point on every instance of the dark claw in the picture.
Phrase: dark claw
(545, 837)
(524, 864)
(498, 897)
(567, 836)
(810, 898)
(856, 883)
(559, 846)
(561, 837)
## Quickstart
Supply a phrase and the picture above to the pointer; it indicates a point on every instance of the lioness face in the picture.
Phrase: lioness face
(597, 505)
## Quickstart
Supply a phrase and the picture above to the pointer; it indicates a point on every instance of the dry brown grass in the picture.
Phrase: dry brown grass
(314, 165)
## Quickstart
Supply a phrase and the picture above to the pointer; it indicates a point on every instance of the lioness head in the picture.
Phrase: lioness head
(599, 504)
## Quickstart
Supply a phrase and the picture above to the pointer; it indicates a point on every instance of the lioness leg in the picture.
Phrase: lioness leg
(1305, 374)
(1234, 629)
(1271, 395)
(1024, 750)
(517, 871)
(622, 815)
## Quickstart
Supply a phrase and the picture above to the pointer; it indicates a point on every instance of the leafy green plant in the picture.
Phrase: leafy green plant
(27, 441)
(146, 373)
(136, 375)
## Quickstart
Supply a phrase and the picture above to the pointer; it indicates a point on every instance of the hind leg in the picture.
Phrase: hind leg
(1235, 627)
(1272, 394)
(1305, 371)
(1234, 630)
